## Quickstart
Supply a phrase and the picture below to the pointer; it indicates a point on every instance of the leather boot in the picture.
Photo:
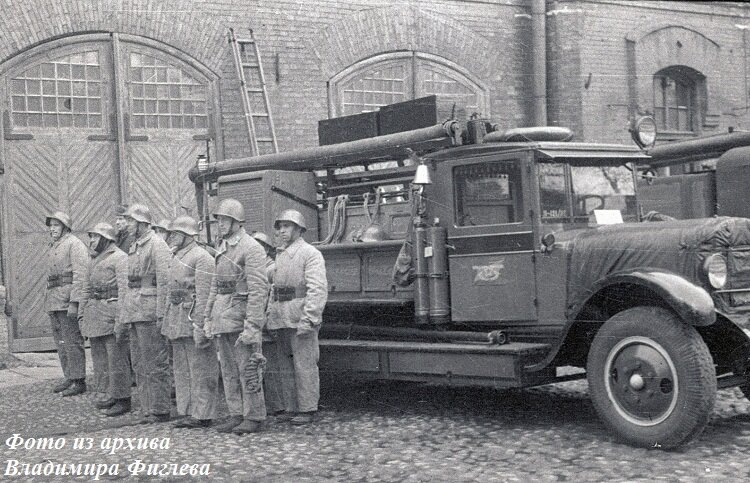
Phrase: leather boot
(121, 406)
(283, 416)
(248, 426)
(105, 403)
(153, 418)
(78, 387)
(230, 424)
(60, 387)
(303, 418)
(191, 423)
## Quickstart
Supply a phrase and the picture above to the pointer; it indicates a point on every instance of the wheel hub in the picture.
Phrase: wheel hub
(641, 381)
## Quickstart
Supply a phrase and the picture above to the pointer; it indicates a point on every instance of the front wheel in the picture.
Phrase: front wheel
(651, 378)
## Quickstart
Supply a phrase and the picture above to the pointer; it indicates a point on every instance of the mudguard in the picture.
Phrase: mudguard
(692, 303)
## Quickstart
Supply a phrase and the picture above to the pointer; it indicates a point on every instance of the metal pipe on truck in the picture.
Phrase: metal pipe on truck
(334, 155)
(344, 331)
(421, 283)
(680, 152)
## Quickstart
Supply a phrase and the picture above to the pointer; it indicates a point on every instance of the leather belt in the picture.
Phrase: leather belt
(136, 281)
(59, 279)
(104, 293)
(226, 286)
(285, 294)
(180, 295)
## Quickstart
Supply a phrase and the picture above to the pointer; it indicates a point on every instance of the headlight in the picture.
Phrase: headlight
(715, 267)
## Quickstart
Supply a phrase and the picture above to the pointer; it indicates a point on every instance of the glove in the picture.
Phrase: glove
(73, 310)
(207, 328)
(249, 337)
(200, 339)
(306, 328)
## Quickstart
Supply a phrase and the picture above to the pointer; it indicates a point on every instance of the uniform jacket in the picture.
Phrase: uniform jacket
(299, 265)
(240, 261)
(148, 262)
(124, 240)
(67, 259)
(107, 276)
(190, 274)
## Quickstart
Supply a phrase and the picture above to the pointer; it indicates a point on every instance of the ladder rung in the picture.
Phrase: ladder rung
(245, 41)
(245, 64)
(255, 91)
(262, 114)
(265, 140)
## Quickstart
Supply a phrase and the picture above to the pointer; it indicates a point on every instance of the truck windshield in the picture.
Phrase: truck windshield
(574, 196)
(603, 188)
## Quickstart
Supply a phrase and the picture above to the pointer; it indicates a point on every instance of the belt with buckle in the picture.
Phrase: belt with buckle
(104, 293)
(59, 279)
(285, 294)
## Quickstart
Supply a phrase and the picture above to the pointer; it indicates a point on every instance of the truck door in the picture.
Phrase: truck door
(492, 260)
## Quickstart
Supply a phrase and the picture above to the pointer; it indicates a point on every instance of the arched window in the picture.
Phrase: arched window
(678, 96)
(401, 76)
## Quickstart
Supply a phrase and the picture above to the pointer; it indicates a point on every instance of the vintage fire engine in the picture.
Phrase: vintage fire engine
(527, 255)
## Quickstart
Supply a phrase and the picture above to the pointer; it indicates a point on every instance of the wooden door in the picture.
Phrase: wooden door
(167, 124)
(59, 154)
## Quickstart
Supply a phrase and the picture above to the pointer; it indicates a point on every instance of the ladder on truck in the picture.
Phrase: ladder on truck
(260, 129)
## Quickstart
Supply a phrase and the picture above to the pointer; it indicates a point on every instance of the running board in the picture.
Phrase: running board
(464, 364)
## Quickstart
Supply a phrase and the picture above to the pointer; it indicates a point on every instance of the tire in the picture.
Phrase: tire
(668, 392)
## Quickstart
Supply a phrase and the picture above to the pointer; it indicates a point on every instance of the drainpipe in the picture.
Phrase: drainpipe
(539, 60)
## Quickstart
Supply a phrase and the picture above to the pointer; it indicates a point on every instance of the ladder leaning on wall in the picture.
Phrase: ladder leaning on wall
(260, 129)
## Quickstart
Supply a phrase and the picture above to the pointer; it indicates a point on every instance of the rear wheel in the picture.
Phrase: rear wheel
(651, 378)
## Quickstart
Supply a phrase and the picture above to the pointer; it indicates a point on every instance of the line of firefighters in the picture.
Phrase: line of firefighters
(144, 288)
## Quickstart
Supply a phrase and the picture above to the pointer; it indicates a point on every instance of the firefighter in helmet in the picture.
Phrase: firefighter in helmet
(145, 303)
(124, 238)
(67, 258)
(161, 228)
(299, 295)
(106, 283)
(234, 318)
(196, 369)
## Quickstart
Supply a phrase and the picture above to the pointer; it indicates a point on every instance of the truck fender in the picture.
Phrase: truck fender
(692, 303)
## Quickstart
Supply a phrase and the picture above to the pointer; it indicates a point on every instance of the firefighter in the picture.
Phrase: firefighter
(67, 258)
(196, 369)
(234, 317)
(299, 295)
(107, 278)
(161, 228)
(272, 380)
(124, 237)
(145, 303)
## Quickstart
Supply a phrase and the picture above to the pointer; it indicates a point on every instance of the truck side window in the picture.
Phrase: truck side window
(552, 193)
(488, 193)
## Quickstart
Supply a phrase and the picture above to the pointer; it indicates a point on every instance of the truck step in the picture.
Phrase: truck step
(500, 366)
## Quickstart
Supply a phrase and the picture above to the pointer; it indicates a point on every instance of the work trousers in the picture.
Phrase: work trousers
(69, 342)
(196, 378)
(243, 386)
(271, 377)
(111, 366)
(151, 367)
(298, 369)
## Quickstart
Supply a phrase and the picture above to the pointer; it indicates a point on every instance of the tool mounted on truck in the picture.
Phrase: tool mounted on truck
(526, 254)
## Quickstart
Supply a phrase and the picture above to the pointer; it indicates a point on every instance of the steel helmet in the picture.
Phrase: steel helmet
(139, 213)
(291, 215)
(61, 217)
(263, 239)
(163, 224)
(105, 230)
(185, 225)
(231, 208)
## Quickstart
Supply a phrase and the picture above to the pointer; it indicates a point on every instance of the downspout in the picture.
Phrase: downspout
(539, 60)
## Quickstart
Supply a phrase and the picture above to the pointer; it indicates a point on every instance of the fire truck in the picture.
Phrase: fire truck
(511, 259)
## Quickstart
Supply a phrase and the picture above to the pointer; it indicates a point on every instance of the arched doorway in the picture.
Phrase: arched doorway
(88, 122)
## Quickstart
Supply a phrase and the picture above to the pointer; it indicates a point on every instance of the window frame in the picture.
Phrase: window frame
(413, 59)
(692, 81)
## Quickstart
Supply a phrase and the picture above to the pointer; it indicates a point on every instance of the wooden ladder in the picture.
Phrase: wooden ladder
(260, 128)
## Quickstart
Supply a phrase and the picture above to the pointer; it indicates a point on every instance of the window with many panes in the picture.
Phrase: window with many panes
(402, 76)
(164, 96)
(677, 99)
(488, 193)
(59, 93)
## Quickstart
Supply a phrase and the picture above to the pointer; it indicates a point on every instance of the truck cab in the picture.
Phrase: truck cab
(522, 256)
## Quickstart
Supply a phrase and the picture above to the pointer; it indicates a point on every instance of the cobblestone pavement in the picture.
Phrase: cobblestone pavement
(391, 432)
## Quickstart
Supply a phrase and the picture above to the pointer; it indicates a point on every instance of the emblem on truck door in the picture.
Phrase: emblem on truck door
(489, 274)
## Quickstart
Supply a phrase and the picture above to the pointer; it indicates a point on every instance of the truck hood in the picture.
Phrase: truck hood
(678, 247)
